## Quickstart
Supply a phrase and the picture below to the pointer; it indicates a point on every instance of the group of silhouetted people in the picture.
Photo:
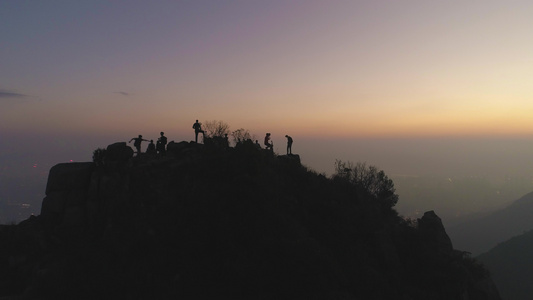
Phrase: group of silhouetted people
(269, 145)
(160, 147)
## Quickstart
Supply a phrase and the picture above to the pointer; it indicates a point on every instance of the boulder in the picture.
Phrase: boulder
(118, 152)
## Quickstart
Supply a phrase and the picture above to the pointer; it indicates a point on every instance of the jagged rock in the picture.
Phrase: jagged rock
(430, 225)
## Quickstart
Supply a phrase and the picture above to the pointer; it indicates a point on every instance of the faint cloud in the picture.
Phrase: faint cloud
(11, 94)
(122, 93)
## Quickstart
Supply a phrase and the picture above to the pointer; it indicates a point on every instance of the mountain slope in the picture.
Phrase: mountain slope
(233, 223)
(482, 234)
(511, 266)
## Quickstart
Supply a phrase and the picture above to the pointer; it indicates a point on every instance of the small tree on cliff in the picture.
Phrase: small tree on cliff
(215, 128)
(368, 178)
(99, 156)
(242, 135)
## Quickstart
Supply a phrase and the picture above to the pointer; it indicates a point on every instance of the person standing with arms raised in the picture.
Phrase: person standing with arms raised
(137, 144)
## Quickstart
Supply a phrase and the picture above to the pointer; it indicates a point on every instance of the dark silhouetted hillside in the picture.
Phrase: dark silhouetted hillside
(211, 222)
(482, 234)
(511, 266)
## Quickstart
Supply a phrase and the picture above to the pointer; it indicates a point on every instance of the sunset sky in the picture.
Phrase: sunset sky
(74, 72)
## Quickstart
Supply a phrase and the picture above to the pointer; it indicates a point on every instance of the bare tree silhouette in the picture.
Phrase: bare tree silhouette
(215, 128)
(242, 134)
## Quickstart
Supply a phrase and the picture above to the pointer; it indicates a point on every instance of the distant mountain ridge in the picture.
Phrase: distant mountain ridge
(215, 222)
(482, 234)
(511, 266)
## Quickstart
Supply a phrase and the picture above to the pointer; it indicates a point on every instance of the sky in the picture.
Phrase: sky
(413, 87)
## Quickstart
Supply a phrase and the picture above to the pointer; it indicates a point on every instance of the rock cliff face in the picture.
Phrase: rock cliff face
(215, 222)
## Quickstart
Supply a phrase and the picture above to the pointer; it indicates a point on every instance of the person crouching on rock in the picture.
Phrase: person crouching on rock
(268, 144)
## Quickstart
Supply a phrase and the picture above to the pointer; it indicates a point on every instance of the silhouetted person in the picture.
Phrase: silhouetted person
(268, 144)
(161, 143)
(137, 144)
(289, 144)
(151, 148)
(257, 144)
(197, 129)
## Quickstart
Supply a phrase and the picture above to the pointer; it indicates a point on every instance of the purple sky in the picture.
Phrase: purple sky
(333, 68)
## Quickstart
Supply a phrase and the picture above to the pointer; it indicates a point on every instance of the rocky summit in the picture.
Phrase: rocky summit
(215, 222)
